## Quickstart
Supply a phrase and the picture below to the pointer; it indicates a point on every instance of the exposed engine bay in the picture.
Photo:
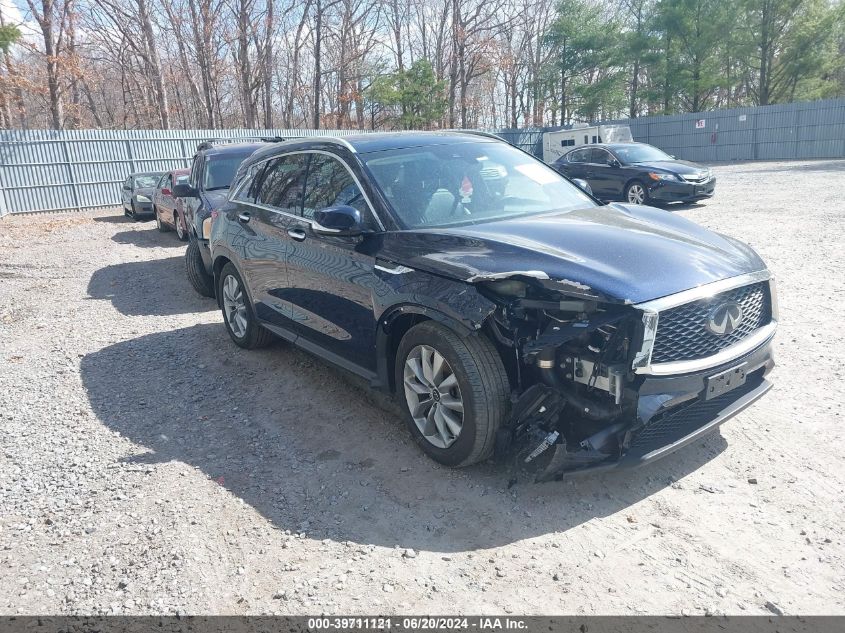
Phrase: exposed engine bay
(579, 401)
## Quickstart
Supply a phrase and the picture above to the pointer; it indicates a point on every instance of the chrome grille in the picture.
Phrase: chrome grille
(682, 333)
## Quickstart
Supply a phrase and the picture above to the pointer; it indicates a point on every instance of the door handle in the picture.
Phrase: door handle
(244, 217)
(297, 234)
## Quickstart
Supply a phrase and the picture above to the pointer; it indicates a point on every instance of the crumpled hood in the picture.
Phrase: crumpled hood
(617, 252)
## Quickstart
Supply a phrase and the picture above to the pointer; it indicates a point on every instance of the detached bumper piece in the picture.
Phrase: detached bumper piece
(674, 430)
(663, 435)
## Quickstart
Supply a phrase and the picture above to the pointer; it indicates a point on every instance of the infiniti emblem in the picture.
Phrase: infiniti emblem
(724, 319)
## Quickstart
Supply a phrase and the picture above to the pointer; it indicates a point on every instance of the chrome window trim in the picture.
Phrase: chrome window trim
(306, 151)
(651, 317)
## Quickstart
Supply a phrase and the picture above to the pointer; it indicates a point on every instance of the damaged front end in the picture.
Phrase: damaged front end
(588, 394)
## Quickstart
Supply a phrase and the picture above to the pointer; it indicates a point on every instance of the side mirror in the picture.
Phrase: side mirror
(583, 185)
(127, 188)
(184, 190)
(340, 221)
(614, 163)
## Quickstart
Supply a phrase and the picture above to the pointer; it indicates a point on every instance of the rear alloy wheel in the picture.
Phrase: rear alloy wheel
(181, 233)
(454, 390)
(202, 282)
(635, 193)
(238, 314)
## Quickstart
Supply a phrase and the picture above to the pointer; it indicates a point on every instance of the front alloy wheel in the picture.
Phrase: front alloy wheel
(636, 193)
(433, 396)
(456, 392)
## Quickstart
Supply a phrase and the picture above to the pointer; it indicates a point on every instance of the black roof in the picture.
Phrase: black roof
(379, 141)
(609, 145)
(374, 142)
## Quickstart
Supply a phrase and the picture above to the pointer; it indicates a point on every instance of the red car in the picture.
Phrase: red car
(168, 209)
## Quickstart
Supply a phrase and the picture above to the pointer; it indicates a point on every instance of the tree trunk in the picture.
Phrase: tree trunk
(155, 65)
(318, 27)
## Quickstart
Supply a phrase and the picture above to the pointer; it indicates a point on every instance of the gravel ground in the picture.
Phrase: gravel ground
(150, 466)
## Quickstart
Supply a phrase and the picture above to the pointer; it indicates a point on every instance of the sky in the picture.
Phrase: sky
(11, 12)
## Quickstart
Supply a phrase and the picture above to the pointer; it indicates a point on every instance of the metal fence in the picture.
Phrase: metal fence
(49, 170)
(59, 170)
(811, 129)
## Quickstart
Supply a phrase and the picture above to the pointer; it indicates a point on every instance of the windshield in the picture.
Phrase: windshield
(145, 180)
(469, 183)
(640, 153)
(220, 170)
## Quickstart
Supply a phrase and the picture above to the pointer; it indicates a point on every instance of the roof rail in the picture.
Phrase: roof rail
(212, 142)
(335, 139)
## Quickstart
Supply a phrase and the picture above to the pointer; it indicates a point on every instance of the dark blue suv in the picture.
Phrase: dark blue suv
(213, 169)
(510, 312)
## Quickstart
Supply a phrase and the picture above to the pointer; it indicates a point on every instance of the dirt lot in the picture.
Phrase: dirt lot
(149, 465)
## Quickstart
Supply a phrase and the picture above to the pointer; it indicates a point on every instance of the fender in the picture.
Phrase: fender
(221, 250)
(455, 304)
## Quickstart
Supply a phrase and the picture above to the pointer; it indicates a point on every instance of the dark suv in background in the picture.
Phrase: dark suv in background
(510, 312)
(212, 171)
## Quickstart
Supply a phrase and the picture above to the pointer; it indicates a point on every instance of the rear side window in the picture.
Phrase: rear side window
(283, 183)
(329, 185)
(578, 156)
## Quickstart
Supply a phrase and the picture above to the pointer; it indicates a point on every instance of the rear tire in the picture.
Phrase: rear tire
(475, 385)
(238, 314)
(202, 282)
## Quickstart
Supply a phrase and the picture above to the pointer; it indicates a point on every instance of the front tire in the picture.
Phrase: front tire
(454, 390)
(636, 193)
(202, 282)
(238, 313)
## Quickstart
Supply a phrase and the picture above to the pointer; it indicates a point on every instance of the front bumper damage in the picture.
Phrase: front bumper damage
(670, 413)
(585, 405)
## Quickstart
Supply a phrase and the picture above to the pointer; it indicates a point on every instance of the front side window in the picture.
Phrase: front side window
(330, 185)
(578, 156)
(220, 171)
(469, 183)
(600, 157)
(283, 183)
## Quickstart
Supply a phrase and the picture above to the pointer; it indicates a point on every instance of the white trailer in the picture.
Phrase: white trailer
(556, 144)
